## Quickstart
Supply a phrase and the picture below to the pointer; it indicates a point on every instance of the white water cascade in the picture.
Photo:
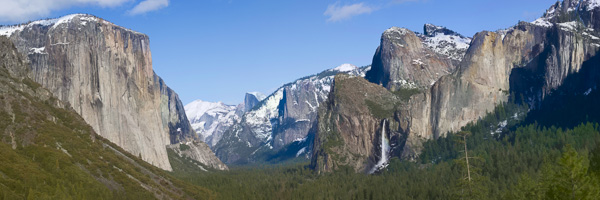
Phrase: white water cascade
(385, 148)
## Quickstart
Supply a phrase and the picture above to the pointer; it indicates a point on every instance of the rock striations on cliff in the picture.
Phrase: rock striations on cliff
(529, 59)
(105, 73)
(46, 145)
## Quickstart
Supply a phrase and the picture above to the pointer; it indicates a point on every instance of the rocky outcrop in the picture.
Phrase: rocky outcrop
(252, 99)
(350, 124)
(445, 42)
(105, 73)
(403, 60)
(195, 150)
(284, 117)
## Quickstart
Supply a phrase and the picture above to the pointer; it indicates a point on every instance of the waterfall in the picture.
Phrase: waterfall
(385, 148)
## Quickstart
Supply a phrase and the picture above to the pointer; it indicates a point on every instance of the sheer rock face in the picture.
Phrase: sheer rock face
(404, 61)
(105, 72)
(532, 59)
(498, 64)
(251, 100)
(349, 126)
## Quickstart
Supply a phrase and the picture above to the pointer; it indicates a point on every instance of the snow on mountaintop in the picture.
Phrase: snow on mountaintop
(564, 8)
(211, 119)
(9, 30)
(445, 41)
(263, 114)
(446, 44)
(260, 96)
(431, 27)
(542, 22)
(196, 109)
(83, 19)
(345, 68)
(438, 38)
(307, 92)
(401, 31)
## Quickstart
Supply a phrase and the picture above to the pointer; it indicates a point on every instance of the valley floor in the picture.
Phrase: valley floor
(509, 159)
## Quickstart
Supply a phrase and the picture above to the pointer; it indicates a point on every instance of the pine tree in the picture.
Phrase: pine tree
(527, 188)
(571, 179)
(472, 185)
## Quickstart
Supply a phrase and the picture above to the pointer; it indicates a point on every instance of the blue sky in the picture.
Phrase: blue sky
(216, 50)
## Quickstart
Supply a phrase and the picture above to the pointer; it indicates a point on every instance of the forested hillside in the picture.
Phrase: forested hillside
(510, 157)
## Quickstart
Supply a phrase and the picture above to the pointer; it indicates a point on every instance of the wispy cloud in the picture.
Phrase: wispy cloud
(337, 12)
(148, 5)
(23, 10)
(15, 11)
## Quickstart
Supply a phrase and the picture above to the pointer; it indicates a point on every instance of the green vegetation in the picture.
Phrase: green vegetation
(406, 93)
(31, 84)
(507, 160)
(333, 140)
(378, 111)
(48, 152)
(184, 147)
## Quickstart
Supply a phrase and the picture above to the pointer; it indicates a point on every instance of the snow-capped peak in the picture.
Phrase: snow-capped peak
(432, 30)
(260, 96)
(401, 31)
(345, 68)
(211, 119)
(198, 108)
(565, 8)
(445, 41)
(84, 18)
(431, 27)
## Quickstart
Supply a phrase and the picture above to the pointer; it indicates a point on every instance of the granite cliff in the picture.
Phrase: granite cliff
(46, 145)
(528, 61)
(105, 73)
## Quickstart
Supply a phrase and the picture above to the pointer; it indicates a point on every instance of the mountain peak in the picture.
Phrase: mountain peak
(569, 11)
(345, 68)
(197, 108)
(398, 30)
(260, 96)
(431, 30)
(445, 41)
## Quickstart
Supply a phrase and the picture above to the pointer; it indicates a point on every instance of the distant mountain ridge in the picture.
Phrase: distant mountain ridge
(211, 119)
(266, 125)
